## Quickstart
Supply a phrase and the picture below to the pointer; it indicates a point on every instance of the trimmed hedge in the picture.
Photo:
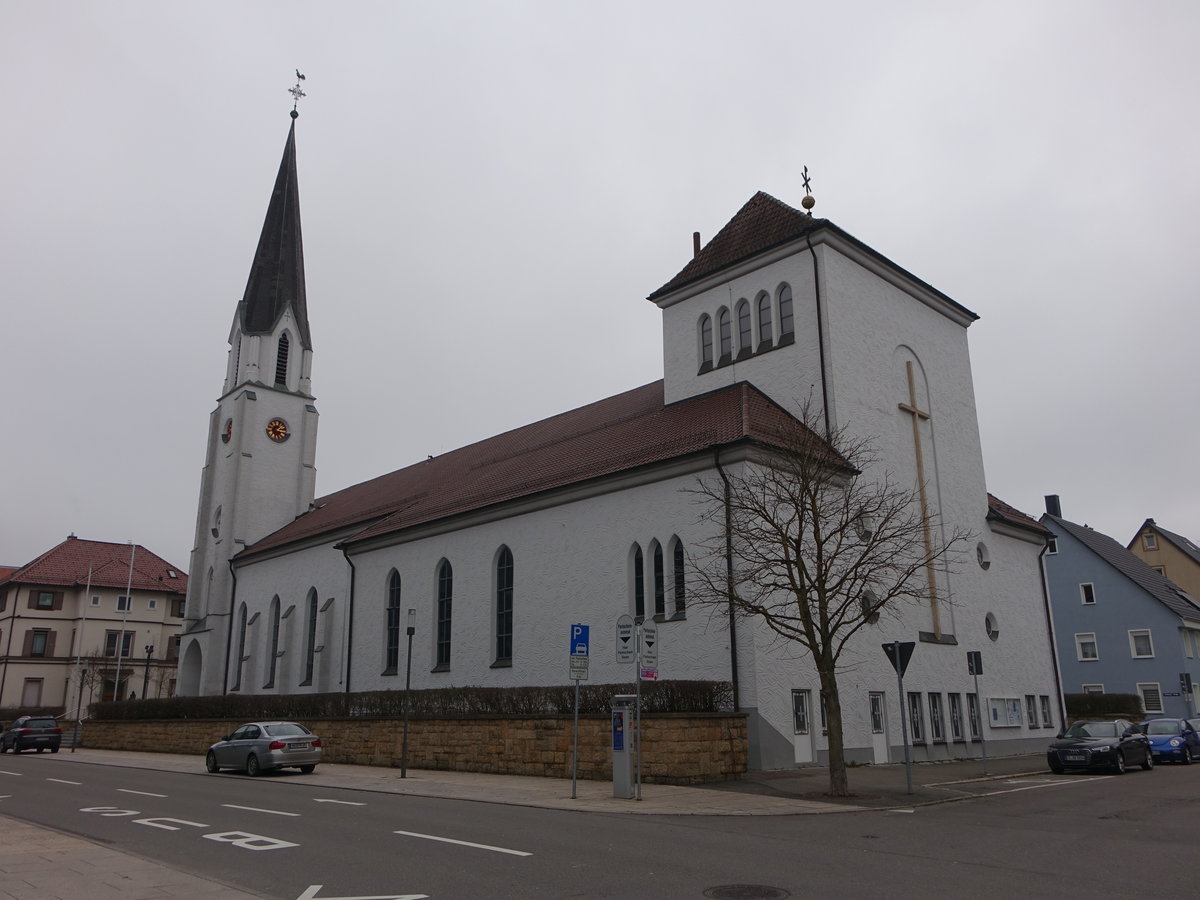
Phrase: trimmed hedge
(657, 697)
(1094, 706)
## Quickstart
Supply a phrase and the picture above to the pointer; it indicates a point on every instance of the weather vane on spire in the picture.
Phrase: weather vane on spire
(809, 200)
(296, 93)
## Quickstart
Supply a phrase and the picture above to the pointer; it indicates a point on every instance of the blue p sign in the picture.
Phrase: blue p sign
(579, 640)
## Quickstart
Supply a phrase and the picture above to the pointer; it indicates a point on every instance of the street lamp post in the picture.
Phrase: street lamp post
(412, 619)
(146, 675)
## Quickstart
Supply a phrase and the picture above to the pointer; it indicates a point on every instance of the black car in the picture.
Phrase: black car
(1112, 744)
(32, 733)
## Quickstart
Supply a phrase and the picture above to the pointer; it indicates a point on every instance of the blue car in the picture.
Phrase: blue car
(1172, 740)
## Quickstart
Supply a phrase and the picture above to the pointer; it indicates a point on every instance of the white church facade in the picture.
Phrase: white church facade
(490, 552)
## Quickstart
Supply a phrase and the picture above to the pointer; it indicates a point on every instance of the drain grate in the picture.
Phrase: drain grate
(746, 892)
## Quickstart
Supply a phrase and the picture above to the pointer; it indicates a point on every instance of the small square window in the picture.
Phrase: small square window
(1086, 647)
(152, 603)
(1051, 546)
(124, 604)
(95, 600)
(1140, 645)
(1093, 689)
(1151, 697)
(1087, 593)
(45, 600)
(1149, 541)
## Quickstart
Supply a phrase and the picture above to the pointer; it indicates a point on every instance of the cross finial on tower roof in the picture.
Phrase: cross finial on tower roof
(809, 200)
(296, 93)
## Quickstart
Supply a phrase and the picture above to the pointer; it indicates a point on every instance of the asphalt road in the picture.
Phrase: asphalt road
(1041, 836)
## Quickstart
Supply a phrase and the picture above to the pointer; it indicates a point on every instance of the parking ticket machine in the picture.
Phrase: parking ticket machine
(623, 745)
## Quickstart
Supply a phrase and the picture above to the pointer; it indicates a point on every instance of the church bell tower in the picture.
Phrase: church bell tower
(260, 467)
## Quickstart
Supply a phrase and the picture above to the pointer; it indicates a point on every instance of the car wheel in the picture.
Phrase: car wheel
(1187, 755)
(253, 769)
(1056, 768)
(41, 749)
(1120, 766)
(1148, 762)
(53, 749)
(3, 747)
(307, 770)
(210, 762)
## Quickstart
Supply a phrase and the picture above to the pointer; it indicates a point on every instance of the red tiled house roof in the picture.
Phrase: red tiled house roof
(68, 563)
(618, 434)
(998, 510)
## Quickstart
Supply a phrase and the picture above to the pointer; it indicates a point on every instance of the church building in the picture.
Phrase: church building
(490, 552)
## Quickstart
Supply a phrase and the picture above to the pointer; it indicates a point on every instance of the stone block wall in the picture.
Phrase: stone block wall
(678, 748)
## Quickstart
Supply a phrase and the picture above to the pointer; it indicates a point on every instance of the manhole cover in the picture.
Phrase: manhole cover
(746, 892)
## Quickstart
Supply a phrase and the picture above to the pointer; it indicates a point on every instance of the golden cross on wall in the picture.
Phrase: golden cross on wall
(918, 415)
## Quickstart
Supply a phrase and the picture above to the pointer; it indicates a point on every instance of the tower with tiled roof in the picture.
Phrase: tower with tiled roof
(260, 468)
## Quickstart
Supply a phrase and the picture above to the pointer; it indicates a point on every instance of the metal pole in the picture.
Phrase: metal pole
(412, 616)
(78, 707)
(979, 707)
(124, 620)
(146, 674)
(638, 715)
(903, 716)
(575, 743)
(87, 598)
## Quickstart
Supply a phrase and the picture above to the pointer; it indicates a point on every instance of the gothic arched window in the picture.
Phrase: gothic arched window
(764, 318)
(273, 656)
(678, 578)
(241, 648)
(745, 333)
(785, 310)
(391, 624)
(639, 584)
(725, 327)
(706, 340)
(660, 587)
(504, 605)
(310, 637)
(445, 596)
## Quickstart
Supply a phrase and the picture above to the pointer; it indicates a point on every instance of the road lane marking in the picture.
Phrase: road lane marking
(4, 772)
(142, 793)
(446, 840)
(63, 781)
(274, 812)
(157, 822)
(310, 893)
(343, 802)
(1035, 787)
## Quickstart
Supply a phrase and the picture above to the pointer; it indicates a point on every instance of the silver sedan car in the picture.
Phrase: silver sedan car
(258, 747)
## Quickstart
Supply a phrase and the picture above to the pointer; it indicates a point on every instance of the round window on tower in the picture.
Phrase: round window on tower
(991, 626)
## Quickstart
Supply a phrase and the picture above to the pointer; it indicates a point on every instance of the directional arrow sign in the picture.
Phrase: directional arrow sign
(625, 646)
(310, 893)
(649, 645)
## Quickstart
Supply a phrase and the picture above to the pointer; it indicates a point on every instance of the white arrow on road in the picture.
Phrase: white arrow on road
(343, 802)
(310, 893)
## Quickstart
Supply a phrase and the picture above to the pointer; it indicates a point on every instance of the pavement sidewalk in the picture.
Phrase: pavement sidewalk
(39, 862)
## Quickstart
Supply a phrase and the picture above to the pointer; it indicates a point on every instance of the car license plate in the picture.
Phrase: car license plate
(299, 745)
(1074, 757)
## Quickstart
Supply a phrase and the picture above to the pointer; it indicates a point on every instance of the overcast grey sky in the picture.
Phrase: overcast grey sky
(489, 191)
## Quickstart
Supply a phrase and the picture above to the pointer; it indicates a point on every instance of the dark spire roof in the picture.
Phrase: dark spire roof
(277, 275)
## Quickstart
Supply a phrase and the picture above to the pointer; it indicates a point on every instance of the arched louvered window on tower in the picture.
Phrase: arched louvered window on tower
(273, 645)
(764, 320)
(660, 586)
(281, 361)
(785, 311)
(391, 653)
(745, 332)
(725, 327)
(504, 607)
(445, 597)
(241, 649)
(706, 341)
(310, 637)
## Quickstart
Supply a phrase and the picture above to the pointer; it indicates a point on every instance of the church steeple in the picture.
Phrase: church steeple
(277, 274)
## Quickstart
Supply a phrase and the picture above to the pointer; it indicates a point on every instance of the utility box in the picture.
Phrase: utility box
(623, 745)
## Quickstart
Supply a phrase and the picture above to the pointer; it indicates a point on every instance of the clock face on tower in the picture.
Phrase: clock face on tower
(228, 432)
(277, 430)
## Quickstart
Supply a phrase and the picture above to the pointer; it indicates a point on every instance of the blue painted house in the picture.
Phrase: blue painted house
(1120, 626)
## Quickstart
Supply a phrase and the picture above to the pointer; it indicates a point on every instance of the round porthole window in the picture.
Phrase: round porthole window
(991, 626)
(982, 556)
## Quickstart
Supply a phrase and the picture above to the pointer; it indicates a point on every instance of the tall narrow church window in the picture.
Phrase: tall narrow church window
(281, 361)
(310, 639)
(445, 597)
(241, 648)
(785, 310)
(677, 571)
(660, 586)
(504, 605)
(639, 584)
(745, 333)
(237, 362)
(391, 662)
(273, 657)
(725, 326)
(706, 340)
(764, 318)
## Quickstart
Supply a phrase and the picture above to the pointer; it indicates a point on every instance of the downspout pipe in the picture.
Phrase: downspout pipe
(733, 653)
(349, 619)
(1062, 709)
(820, 337)
(229, 628)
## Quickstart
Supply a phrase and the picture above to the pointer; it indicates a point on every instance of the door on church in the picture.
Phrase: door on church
(802, 726)
(879, 738)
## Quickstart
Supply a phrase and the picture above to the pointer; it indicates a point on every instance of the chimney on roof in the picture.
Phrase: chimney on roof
(1053, 506)
(71, 536)
(695, 244)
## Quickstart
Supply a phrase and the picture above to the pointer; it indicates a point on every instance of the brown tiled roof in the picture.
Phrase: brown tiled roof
(617, 434)
(998, 509)
(67, 565)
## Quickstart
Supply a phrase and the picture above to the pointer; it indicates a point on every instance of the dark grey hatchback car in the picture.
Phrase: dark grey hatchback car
(32, 733)
(1115, 745)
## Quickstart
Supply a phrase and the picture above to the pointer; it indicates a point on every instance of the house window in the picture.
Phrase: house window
(504, 605)
(745, 334)
(725, 326)
(241, 648)
(37, 647)
(1047, 719)
(785, 311)
(916, 718)
(31, 693)
(1087, 593)
(877, 713)
(824, 714)
(956, 729)
(1051, 546)
(764, 318)
(639, 584)
(124, 604)
(1093, 689)
(1031, 712)
(273, 657)
(660, 588)
(445, 599)
(935, 718)
(95, 600)
(45, 600)
(1151, 697)
(1140, 645)
(680, 583)
(151, 603)
(1161, 570)
(310, 643)
(1149, 541)
(281, 361)
(173, 648)
(177, 608)
(110, 643)
(706, 340)
(973, 716)
(800, 712)
(1086, 647)
(391, 625)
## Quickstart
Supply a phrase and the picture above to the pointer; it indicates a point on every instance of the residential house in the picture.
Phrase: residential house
(1171, 555)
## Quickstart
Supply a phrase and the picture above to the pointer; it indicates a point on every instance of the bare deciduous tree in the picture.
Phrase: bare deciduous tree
(817, 540)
